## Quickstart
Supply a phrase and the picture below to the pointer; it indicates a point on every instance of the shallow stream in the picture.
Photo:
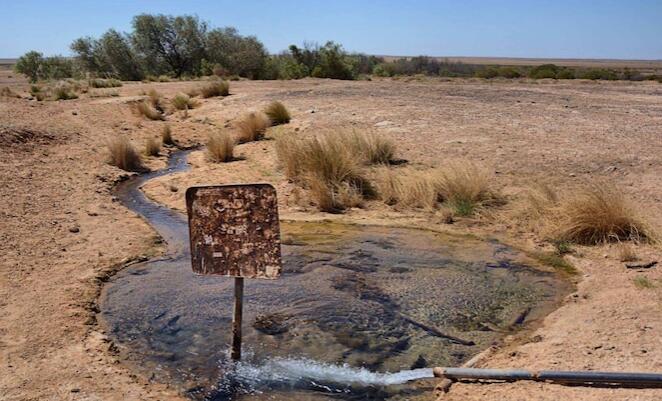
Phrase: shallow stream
(353, 304)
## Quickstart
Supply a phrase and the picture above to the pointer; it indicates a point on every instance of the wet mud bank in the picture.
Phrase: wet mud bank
(353, 303)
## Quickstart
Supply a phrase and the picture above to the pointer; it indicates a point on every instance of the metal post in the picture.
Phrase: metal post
(236, 318)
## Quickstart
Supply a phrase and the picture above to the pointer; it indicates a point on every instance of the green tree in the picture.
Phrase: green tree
(333, 63)
(240, 55)
(30, 64)
(172, 44)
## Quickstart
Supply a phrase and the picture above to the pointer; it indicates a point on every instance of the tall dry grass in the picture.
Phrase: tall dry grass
(461, 186)
(277, 113)
(166, 136)
(220, 147)
(252, 127)
(215, 88)
(598, 213)
(182, 101)
(123, 154)
(152, 147)
(146, 109)
(465, 187)
(327, 167)
(406, 188)
(8, 92)
(590, 214)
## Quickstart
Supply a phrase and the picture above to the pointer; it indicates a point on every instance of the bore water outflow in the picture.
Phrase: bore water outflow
(305, 373)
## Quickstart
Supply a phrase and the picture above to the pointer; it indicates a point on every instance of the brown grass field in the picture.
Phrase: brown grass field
(493, 144)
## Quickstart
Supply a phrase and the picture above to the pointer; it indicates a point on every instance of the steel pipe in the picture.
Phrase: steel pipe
(574, 377)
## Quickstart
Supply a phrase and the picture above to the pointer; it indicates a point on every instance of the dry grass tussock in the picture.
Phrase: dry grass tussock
(166, 136)
(326, 165)
(215, 88)
(146, 108)
(64, 91)
(152, 147)
(8, 92)
(594, 214)
(182, 101)
(220, 147)
(277, 113)
(461, 186)
(123, 154)
(252, 127)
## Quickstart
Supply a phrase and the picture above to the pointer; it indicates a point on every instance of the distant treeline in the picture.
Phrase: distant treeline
(162, 47)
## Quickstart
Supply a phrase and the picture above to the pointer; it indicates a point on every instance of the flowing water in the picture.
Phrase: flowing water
(360, 312)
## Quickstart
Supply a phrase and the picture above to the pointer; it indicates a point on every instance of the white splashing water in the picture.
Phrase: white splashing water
(288, 371)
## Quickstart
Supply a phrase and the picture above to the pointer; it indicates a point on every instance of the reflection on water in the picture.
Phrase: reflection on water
(337, 320)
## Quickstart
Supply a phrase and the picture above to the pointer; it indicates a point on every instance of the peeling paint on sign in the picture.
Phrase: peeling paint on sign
(234, 230)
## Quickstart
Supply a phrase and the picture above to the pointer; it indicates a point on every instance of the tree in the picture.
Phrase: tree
(172, 44)
(240, 55)
(333, 63)
(110, 55)
(30, 64)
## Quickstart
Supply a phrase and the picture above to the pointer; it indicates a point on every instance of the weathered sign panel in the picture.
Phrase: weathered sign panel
(234, 230)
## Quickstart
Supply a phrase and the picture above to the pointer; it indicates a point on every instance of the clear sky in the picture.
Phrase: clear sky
(627, 29)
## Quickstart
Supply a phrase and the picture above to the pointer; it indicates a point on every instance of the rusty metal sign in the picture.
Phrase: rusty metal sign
(234, 230)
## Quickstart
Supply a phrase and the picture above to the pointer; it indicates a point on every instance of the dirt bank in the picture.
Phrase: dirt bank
(62, 232)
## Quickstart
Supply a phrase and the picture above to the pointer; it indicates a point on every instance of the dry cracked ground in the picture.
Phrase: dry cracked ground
(63, 233)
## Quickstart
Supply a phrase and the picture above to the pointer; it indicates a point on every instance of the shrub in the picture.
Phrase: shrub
(152, 147)
(544, 71)
(64, 91)
(599, 73)
(508, 72)
(598, 214)
(215, 88)
(489, 72)
(124, 155)
(220, 147)
(566, 73)
(277, 113)
(182, 101)
(104, 83)
(252, 127)
(166, 136)
(30, 64)
(148, 110)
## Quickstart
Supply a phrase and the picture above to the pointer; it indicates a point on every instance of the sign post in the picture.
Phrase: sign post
(234, 231)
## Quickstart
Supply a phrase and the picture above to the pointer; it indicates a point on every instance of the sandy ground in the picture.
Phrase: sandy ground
(63, 233)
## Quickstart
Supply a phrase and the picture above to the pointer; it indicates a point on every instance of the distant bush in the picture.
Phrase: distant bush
(489, 72)
(598, 73)
(37, 67)
(544, 71)
(565, 73)
(104, 83)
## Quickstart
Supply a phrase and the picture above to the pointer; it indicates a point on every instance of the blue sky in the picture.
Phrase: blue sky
(534, 28)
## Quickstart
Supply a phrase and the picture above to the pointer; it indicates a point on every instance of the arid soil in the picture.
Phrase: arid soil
(63, 234)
